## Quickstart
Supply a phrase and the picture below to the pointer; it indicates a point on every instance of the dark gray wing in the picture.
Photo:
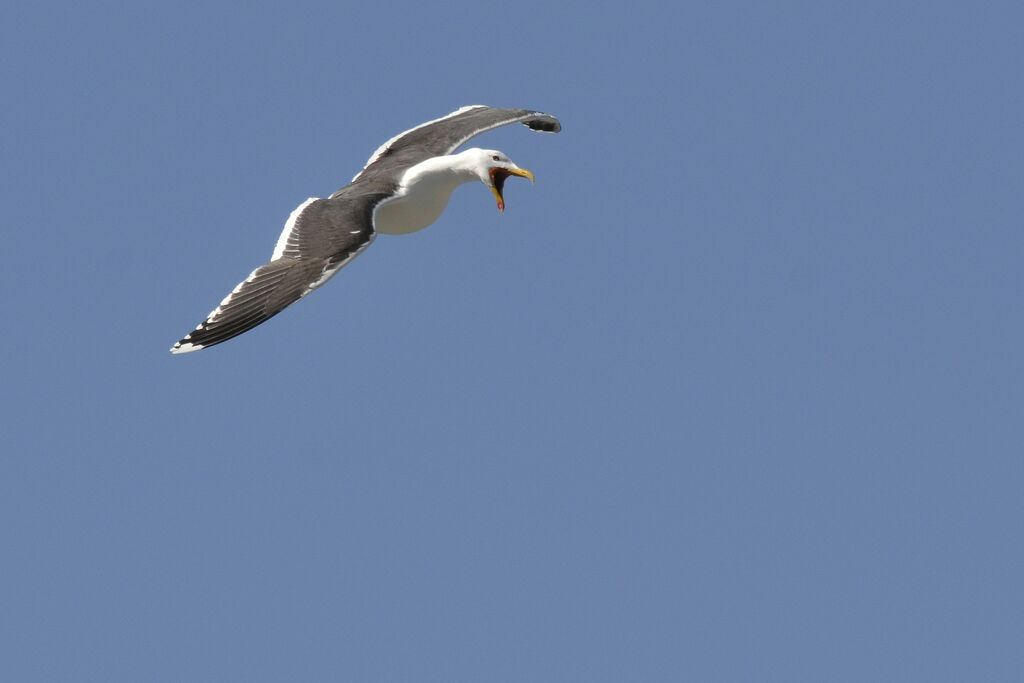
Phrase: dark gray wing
(320, 237)
(441, 136)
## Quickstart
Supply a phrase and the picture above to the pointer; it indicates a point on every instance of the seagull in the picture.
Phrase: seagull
(404, 187)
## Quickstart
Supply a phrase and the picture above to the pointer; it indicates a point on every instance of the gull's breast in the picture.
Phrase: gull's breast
(418, 203)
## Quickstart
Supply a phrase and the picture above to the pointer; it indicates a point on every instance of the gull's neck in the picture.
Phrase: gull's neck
(451, 169)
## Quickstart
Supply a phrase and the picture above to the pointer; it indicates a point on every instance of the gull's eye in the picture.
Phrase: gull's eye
(495, 157)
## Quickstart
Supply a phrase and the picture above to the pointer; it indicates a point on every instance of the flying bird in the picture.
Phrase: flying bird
(404, 187)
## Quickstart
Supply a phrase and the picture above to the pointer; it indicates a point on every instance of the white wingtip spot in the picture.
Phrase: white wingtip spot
(185, 348)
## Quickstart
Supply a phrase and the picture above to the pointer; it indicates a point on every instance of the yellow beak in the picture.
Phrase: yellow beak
(522, 173)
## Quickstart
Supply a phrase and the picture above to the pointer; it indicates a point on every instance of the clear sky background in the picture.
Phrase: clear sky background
(734, 392)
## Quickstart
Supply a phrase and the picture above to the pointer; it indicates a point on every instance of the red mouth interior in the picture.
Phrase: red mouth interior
(498, 177)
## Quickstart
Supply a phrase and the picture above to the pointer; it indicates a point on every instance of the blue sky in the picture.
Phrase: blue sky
(734, 392)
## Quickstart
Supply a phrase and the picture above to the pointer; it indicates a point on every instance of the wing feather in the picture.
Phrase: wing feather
(266, 292)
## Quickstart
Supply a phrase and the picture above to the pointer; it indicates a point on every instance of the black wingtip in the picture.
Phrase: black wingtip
(544, 123)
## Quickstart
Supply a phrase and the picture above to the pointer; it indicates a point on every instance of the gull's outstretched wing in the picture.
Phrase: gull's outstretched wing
(441, 136)
(320, 237)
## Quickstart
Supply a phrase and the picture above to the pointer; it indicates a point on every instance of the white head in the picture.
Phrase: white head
(492, 168)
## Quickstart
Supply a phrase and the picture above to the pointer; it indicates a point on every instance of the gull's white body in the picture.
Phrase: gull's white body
(422, 195)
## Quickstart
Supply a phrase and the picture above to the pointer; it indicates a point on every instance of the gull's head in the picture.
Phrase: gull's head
(493, 168)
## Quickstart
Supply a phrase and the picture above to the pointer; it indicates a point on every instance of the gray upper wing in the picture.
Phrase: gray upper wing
(441, 136)
(322, 228)
(266, 292)
(320, 237)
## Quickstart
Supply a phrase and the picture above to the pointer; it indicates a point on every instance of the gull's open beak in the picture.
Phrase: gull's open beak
(498, 176)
